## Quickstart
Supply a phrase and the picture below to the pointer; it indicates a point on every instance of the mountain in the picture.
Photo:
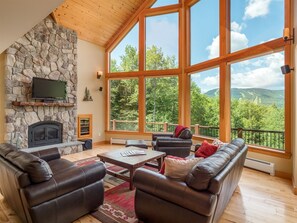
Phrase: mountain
(260, 95)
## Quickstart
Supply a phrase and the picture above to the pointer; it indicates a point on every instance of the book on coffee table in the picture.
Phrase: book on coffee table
(133, 153)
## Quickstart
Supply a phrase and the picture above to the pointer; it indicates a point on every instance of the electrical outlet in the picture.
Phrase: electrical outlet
(99, 133)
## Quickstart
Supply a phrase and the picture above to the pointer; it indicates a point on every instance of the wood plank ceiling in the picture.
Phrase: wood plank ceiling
(95, 21)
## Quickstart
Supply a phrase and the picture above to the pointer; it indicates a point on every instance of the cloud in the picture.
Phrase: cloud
(214, 48)
(256, 8)
(236, 27)
(238, 41)
(263, 72)
(163, 33)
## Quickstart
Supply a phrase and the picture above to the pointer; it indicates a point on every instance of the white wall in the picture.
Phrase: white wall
(18, 17)
(90, 60)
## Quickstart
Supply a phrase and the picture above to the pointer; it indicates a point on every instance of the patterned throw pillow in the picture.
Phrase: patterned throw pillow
(178, 169)
(218, 143)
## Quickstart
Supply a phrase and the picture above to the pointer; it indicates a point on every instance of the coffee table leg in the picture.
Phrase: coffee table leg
(131, 179)
(160, 162)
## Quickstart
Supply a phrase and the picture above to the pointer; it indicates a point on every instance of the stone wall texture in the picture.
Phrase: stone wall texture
(47, 51)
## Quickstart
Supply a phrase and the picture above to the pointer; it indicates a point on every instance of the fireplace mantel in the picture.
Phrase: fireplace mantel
(43, 104)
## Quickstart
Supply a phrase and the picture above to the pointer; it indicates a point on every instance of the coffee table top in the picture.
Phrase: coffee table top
(115, 157)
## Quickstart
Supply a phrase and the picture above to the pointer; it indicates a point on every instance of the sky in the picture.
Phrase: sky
(252, 22)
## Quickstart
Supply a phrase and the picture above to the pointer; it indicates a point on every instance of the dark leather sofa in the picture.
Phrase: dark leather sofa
(42, 187)
(175, 146)
(202, 198)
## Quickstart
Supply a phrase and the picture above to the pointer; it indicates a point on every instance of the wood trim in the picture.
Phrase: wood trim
(283, 175)
(146, 73)
(141, 105)
(225, 103)
(162, 10)
(107, 104)
(90, 126)
(294, 185)
(99, 143)
(262, 49)
(288, 80)
(128, 133)
(225, 76)
(141, 43)
(125, 28)
(42, 104)
(269, 152)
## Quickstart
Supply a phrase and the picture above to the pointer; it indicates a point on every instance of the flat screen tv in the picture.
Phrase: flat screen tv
(48, 90)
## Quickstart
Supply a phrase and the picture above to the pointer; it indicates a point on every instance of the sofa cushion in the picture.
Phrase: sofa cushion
(37, 168)
(6, 148)
(205, 170)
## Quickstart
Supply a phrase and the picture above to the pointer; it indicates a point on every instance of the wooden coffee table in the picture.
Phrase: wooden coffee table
(130, 163)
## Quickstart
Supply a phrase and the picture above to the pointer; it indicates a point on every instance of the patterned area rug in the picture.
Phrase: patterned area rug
(118, 204)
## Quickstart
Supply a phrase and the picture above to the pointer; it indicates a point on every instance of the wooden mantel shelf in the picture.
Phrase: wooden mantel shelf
(44, 104)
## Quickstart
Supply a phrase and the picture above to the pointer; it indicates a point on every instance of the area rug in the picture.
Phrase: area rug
(118, 204)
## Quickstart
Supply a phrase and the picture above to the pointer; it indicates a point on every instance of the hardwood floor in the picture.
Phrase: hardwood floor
(259, 198)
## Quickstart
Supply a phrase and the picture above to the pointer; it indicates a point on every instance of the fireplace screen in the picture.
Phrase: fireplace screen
(45, 133)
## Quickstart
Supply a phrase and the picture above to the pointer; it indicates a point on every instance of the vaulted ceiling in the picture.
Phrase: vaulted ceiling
(95, 21)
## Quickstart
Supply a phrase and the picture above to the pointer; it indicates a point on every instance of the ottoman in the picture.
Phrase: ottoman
(136, 143)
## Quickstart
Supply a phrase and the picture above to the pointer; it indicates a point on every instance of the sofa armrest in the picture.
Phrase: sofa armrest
(63, 183)
(48, 154)
(156, 135)
(177, 192)
(174, 142)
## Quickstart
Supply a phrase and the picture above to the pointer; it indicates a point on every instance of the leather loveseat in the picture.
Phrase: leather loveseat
(42, 187)
(203, 196)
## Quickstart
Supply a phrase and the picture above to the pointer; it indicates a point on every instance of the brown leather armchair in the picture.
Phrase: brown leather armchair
(203, 196)
(42, 187)
(173, 145)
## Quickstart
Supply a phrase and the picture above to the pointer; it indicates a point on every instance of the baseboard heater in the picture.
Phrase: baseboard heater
(117, 141)
(123, 141)
(261, 165)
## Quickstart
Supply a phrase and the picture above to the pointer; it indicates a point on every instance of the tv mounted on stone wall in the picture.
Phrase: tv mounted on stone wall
(48, 90)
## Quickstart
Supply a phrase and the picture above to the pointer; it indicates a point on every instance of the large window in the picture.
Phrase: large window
(205, 103)
(257, 105)
(255, 21)
(123, 105)
(161, 104)
(125, 55)
(180, 79)
(162, 42)
(204, 21)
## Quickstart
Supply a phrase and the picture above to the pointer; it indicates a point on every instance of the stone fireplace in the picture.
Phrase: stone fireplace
(47, 51)
(45, 133)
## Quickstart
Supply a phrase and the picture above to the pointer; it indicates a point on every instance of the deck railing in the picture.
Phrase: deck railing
(268, 138)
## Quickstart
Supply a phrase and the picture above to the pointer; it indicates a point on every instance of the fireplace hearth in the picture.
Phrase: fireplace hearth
(45, 133)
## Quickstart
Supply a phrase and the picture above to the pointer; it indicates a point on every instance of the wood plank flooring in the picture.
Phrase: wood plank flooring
(259, 198)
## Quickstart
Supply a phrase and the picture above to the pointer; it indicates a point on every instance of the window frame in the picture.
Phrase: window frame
(184, 69)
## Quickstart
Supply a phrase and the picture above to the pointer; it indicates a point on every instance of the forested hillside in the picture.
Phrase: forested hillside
(257, 95)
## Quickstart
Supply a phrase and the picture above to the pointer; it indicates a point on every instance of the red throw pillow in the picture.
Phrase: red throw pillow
(178, 130)
(162, 170)
(206, 149)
